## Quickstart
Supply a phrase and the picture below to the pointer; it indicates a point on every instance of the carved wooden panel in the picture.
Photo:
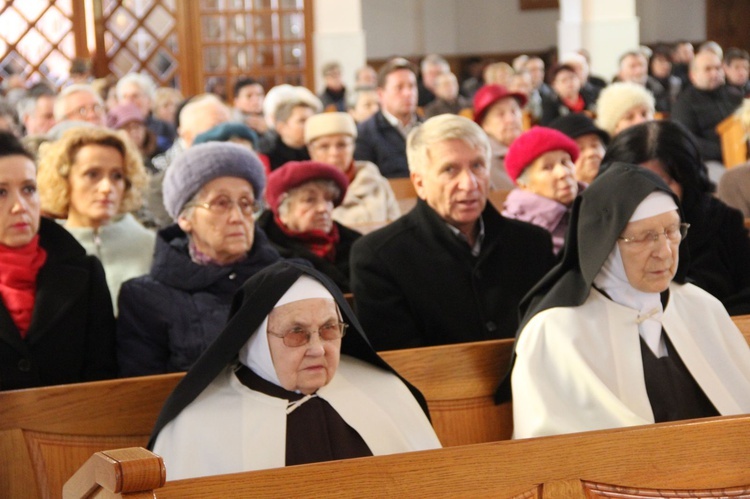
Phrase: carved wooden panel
(599, 490)
(55, 458)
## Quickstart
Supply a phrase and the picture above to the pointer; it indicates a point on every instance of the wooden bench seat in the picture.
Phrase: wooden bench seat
(47, 433)
(698, 458)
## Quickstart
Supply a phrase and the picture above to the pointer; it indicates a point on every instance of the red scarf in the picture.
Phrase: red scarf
(577, 105)
(318, 242)
(18, 270)
(351, 172)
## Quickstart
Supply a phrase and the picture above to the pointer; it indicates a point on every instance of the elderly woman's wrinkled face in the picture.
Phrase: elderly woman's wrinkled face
(310, 207)
(336, 150)
(19, 201)
(634, 116)
(651, 254)
(308, 367)
(97, 185)
(220, 221)
(551, 175)
(590, 159)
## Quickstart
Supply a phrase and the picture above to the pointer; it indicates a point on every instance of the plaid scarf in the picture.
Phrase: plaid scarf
(318, 242)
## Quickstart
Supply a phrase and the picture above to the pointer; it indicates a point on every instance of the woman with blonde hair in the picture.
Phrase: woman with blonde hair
(92, 178)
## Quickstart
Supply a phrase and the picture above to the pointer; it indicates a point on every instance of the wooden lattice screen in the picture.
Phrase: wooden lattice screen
(180, 43)
(39, 38)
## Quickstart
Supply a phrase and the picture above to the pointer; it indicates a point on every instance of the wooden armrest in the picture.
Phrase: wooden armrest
(134, 469)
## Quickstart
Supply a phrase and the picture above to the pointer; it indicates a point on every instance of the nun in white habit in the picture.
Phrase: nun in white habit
(614, 336)
(291, 380)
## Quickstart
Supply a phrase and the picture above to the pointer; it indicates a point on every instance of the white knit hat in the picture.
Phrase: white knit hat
(324, 124)
(616, 100)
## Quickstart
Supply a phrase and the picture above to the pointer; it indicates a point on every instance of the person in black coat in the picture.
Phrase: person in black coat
(301, 196)
(381, 139)
(170, 316)
(56, 319)
(718, 242)
(453, 269)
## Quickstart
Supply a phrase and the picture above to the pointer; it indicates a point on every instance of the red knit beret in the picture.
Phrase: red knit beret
(532, 144)
(487, 95)
(295, 173)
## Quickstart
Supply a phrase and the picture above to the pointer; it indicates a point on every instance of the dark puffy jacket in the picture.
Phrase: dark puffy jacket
(169, 317)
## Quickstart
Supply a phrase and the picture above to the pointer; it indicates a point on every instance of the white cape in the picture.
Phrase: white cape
(580, 368)
(230, 428)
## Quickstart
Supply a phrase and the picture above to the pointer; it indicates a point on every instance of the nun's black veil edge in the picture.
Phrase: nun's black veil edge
(263, 291)
(569, 283)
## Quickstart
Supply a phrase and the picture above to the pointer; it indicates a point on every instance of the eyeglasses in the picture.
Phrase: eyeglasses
(83, 111)
(673, 233)
(223, 205)
(299, 336)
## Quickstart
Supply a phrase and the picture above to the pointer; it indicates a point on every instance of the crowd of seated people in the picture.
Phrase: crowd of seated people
(169, 235)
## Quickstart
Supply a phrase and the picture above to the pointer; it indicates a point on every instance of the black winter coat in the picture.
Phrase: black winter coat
(71, 338)
(416, 284)
(288, 247)
(381, 143)
(720, 253)
(170, 316)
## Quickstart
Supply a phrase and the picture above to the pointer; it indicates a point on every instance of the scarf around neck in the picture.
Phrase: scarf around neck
(18, 270)
(318, 242)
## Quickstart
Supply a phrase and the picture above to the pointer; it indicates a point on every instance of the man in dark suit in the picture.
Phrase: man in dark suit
(381, 139)
(453, 269)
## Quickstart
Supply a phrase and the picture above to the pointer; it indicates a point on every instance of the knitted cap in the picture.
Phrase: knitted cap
(617, 99)
(320, 125)
(532, 144)
(200, 164)
(296, 173)
(576, 125)
(226, 131)
(488, 95)
(122, 114)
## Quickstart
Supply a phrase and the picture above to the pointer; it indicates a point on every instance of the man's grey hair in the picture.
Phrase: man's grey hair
(59, 107)
(438, 129)
(433, 59)
(144, 82)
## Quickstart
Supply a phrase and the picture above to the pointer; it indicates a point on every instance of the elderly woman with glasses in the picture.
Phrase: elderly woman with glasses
(170, 316)
(302, 196)
(614, 336)
(283, 385)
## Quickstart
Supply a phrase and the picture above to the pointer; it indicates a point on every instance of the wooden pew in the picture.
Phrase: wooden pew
(405, 193)
(48, 433)
(733, 141)
(698, 458)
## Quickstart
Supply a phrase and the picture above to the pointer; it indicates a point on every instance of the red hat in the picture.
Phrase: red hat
(295, 173)
(532, 144)
(488, 95)
(122, 114)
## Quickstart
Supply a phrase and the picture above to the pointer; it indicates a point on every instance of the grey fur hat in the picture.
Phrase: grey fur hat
(202, 163)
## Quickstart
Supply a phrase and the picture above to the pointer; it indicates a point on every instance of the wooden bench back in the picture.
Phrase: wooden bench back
(48, 433)
(733, 141)
(698, 458)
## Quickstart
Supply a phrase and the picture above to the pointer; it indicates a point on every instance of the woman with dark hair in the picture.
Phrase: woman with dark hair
(719, 245)
(56, 321)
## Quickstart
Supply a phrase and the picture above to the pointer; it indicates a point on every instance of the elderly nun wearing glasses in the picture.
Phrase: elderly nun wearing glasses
(613, 335)
(169, 316)
(291, 380)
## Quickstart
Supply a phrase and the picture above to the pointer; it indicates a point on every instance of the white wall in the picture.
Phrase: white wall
(671, 20)
(451, 27)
